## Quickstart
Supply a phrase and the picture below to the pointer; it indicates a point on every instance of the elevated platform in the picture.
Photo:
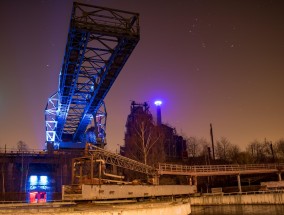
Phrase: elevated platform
(212, 170)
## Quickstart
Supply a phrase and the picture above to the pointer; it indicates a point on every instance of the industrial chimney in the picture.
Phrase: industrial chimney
(159, 114)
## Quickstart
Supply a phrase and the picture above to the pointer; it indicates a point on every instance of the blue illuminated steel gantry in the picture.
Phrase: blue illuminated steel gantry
(100, 40)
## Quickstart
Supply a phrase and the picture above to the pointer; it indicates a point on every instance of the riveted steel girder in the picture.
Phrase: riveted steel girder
(100, 40)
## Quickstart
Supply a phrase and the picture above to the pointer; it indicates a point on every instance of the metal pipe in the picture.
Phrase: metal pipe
(102, 162)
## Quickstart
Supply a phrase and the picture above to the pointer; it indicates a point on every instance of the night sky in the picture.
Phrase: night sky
(219, 62)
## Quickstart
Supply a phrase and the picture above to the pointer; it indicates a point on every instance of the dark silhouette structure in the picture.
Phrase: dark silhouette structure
(173, 145)
(25, 174)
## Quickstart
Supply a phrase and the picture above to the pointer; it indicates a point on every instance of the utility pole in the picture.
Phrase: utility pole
(272, 152)
(212, 141)
(209, 154)
(3, 172)
(22, 172)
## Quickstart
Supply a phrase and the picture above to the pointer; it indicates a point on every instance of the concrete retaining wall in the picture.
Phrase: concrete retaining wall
(173, 208)
(245, 198)
(102, 192)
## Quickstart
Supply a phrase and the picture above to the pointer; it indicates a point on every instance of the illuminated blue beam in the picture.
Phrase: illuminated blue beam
(100, 40)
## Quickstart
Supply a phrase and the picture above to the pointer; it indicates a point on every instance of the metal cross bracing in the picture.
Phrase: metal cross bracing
(85, 165)
(211, 170)
(100, 40)
(121, 161)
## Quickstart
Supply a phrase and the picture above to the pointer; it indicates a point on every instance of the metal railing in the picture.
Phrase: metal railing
(173, 168)
(21, 152)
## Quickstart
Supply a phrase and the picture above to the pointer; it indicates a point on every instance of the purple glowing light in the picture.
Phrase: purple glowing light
(158, 103)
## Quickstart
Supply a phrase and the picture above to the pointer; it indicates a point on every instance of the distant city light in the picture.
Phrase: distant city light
(158, 103)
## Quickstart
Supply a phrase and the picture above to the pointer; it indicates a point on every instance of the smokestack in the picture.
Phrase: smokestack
(159, 114)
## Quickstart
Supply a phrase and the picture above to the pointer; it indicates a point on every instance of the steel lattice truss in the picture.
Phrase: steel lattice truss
(96, 153)
(121, 161)
(100, 40)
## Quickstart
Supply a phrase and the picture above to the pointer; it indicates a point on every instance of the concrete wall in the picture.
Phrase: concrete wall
(273, 184)
(173, 208)
(134, 191)
(101, 192)
(257, 198)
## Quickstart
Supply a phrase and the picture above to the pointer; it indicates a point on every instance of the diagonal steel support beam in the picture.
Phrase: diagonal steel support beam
(121, 161)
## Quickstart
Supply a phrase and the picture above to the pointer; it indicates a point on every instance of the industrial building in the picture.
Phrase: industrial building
(173, 145)
(35, 176)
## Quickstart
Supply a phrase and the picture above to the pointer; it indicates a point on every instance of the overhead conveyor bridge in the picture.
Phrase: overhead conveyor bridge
(100, 40)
